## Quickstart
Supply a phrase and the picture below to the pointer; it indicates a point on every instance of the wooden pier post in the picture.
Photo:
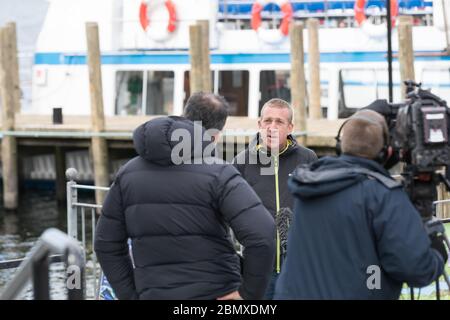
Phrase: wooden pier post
(298, 82)
(60, 177)
(196, 58)
(99, 145)
(405, 51)
(206, 59)
(315, 110)
(9, 143)
(13, 56)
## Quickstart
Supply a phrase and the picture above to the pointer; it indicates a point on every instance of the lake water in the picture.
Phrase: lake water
(38, 210)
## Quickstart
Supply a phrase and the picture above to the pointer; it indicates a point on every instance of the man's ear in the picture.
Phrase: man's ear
(259, 123)
(390, 152)
(290, 127)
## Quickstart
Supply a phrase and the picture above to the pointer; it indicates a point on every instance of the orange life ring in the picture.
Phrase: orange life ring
(286, 9)
(145, 21)
(360, 16)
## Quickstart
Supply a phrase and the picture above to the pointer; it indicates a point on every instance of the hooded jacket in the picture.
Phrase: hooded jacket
(268, 175)
(352, 237)
(178, 217)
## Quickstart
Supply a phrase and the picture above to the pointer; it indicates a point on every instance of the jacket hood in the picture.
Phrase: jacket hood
(319, 179)
(155, 140)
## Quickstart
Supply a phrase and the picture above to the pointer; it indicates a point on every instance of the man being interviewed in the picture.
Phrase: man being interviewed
(267, 163)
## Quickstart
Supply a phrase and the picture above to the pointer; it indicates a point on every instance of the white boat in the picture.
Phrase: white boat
(145, 71)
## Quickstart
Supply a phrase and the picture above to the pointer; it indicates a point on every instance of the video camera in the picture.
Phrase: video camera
(422, 127)
(419, 130)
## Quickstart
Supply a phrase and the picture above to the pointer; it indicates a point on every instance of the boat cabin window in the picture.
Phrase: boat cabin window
(144, 92)
(232, 85)
(274, 84)
(358, 87)
(438, 80)
(277, 84)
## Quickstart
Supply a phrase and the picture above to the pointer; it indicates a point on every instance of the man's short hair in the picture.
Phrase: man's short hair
(365, 134)
(209, 108)
(281, 104)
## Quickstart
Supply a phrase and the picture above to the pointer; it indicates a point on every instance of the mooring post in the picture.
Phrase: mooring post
(8, 101)
(405, 51)
(196, 57)
(206, 59)
(315, 111)
(60, 177)
(99, 145)
(298, 82)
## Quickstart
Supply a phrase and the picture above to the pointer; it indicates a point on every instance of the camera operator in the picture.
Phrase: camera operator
(355, 233)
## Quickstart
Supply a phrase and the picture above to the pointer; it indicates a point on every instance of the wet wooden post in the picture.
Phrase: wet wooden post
(405, 51)
(60, 178)
(9, 143)
(298, 82)
(206, 59)
(99, 145)
(315, 111)
(196, 58)
(13, 56)
(443, 210)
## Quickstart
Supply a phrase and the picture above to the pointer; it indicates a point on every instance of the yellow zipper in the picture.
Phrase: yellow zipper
(277, 200)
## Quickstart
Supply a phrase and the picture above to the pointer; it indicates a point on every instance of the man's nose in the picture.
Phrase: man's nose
(273, 130)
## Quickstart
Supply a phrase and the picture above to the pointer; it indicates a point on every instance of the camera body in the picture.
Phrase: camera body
(420, 129)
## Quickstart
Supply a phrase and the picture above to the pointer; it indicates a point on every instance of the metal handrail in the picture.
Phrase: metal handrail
(36, 267)
(75, 209)
(14, 263)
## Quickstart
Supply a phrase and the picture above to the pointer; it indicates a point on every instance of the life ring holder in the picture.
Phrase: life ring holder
(376, 31)
(272, 36)
(145, 21)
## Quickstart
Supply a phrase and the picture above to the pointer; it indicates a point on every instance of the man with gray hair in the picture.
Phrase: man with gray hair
(355, 233)
(266, 164)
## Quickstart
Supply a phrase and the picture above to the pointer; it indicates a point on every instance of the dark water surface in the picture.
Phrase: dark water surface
(38, 210)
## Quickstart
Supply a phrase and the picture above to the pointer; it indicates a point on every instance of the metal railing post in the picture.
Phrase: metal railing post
(72, 197)
(41, 281)
(36, 267)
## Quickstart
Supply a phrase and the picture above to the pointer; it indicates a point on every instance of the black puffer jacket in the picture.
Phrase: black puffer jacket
(177, 217)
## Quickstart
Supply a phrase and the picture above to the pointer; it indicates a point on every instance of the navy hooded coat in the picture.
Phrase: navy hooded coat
(345, 229)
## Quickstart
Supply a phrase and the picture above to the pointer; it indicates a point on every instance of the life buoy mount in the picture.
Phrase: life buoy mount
(269, 35)
(144, 20)
(367, 26)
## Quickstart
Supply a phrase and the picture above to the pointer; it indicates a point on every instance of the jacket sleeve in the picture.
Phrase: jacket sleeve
(403, 245)
(111, 245)
(254, 228)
